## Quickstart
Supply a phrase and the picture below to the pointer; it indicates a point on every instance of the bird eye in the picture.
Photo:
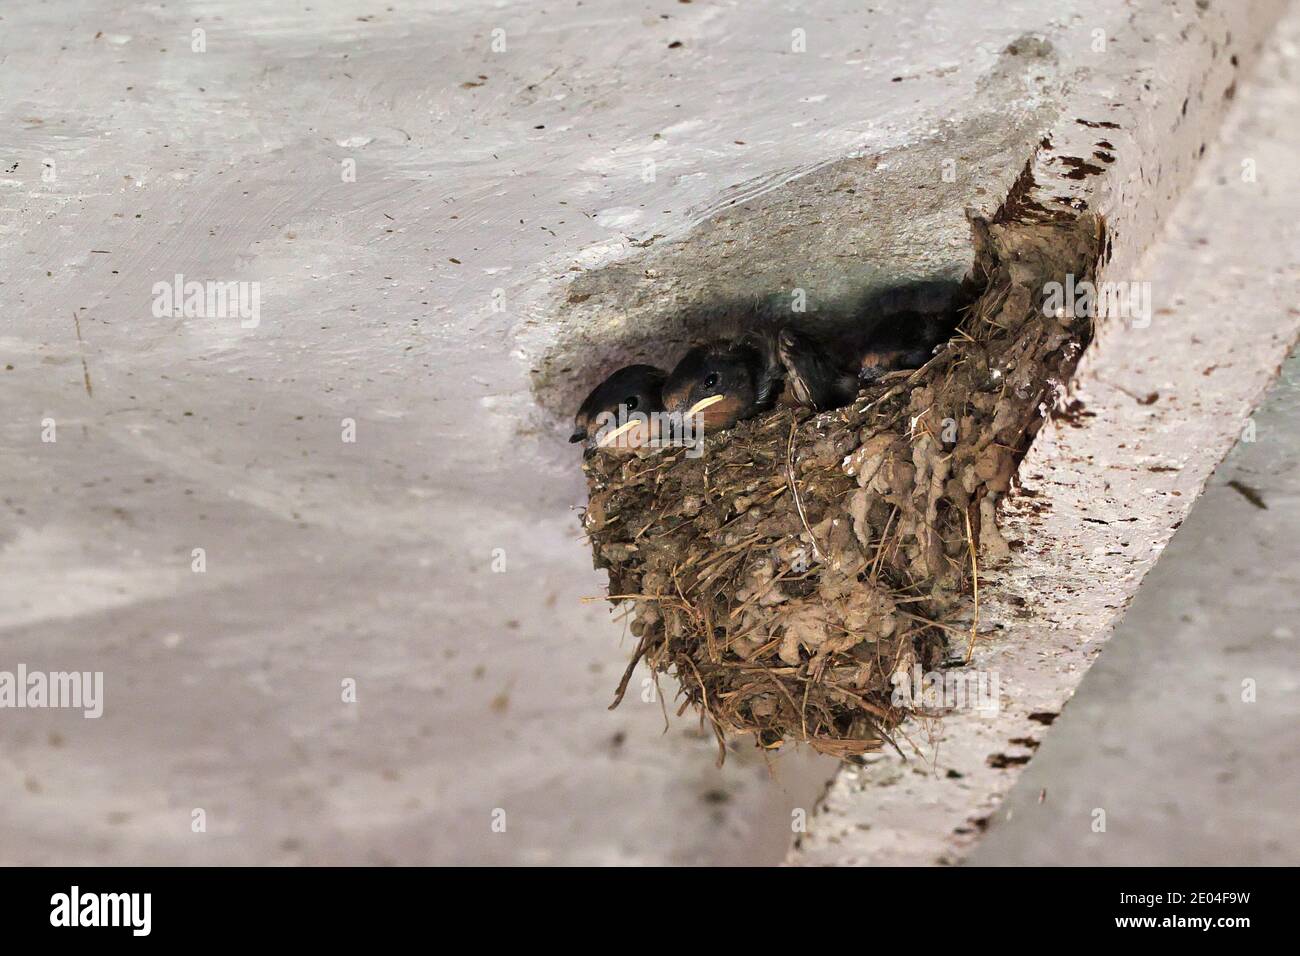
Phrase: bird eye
(711, 380)
(630, 402)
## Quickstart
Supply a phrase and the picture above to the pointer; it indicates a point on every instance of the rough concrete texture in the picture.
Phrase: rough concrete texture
(133, 157)
(832, 236)
(1162, 734)
(1104, 487)
(1183, 733)
(421, 298)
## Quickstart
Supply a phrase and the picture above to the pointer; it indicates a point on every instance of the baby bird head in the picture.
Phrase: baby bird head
(618, 412)
(815, 371)
(722, 382)
(884, 358)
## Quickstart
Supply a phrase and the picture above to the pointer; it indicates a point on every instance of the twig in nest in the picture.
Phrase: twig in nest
(706, 711)
(663, 704)
(760, 593)
(627, 674)
(794, 491)
(975, 574)
(881, 546)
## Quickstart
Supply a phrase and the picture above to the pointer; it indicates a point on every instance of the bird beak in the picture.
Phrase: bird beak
(577, 437)
(610, 437)
(702, 404)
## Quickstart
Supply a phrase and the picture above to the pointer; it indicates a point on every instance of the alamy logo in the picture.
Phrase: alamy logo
(103, 909)
(1098, 300)
(933, 693)
(82, 690)
(180, 299)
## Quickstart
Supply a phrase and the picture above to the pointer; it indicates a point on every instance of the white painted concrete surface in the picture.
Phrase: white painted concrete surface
(1164, 401)
(131, 156)
(1183, 733)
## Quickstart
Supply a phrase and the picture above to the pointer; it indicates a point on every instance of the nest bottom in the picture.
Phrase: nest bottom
(766, 588)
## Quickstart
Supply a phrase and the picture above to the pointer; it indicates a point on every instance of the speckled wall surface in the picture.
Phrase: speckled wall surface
(413, 190)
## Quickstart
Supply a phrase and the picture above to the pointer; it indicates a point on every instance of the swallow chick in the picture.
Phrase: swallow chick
(724, 382)
(621, 412)
(817, 376)
(903, 341)
(883, 358)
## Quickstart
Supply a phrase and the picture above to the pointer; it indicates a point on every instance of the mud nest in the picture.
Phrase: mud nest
(787, 574)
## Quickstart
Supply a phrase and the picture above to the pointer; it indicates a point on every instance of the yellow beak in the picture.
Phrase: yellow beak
(611, 437)
(702, 404)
